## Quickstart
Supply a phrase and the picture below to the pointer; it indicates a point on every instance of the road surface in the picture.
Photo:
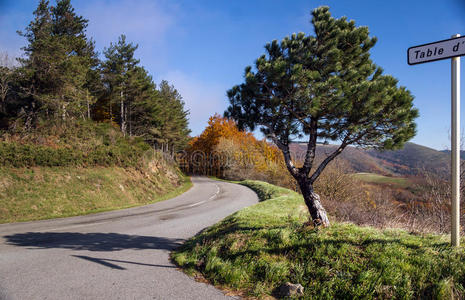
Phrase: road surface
(115, 255)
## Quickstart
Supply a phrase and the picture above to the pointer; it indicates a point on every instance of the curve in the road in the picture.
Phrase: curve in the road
(115, 255)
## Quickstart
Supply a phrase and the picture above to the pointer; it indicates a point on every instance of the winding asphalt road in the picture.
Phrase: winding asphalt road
(115, 255)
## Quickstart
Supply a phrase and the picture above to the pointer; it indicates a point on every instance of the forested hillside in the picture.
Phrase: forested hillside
(412, 159)
(80, 131)
(61, 78)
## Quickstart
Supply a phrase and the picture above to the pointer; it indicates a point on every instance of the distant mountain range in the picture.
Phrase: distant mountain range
(462, 153)
(411, 160)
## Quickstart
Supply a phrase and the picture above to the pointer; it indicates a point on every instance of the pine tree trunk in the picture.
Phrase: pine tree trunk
(88, 105)
(127, 116)
(123, 118)
(3, 103)
(312, 200)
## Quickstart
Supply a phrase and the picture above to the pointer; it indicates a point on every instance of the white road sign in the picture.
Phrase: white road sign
(452, 48)
(436, 51)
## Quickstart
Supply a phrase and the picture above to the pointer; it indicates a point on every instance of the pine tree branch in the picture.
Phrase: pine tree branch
(286, 153)
(327, 160)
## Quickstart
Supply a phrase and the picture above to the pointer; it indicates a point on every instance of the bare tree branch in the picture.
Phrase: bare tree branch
(6, 70)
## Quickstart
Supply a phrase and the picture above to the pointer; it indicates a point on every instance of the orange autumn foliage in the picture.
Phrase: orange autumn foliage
(242, 155)
(219, 127)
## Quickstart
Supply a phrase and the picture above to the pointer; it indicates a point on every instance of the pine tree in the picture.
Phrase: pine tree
(77, 59)
(174, 131)
(323, 87)
(58, 59)
(156, 115)
(61, 77)
(119, 66)
(37, 67)
(143, 105)
(159, 115)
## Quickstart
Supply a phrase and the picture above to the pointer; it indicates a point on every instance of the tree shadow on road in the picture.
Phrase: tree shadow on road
(109, 262)
(91, 241)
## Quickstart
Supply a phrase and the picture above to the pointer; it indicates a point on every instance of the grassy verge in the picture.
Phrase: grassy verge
(52, 192)
(266, 191)
(380, 179)
(258, 248)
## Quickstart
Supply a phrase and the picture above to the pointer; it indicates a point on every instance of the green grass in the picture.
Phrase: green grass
(265, 191)
(258, 248)
(80, 167)
(380, 179)
(52, 192)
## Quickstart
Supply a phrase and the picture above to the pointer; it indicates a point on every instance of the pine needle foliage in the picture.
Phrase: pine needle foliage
(323, 86)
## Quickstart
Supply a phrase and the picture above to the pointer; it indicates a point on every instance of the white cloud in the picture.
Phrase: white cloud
(202, 99)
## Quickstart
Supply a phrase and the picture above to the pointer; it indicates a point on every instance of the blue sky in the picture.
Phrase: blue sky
(203, 46)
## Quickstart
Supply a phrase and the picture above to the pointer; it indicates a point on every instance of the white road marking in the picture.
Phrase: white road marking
(196, 204)
(217, 192)
(211, 198)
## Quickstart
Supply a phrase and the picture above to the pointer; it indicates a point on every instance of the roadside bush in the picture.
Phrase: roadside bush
(423, 207)
(76, 144)
(350, 200)
(430, 211)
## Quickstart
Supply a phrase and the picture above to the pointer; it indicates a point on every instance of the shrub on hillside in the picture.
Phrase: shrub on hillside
(348, 199)
(72, 144)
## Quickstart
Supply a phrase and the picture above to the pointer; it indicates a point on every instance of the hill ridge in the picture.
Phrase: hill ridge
(410, 160)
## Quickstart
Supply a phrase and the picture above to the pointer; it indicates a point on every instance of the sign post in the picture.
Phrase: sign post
(455, 154)
(452, 48)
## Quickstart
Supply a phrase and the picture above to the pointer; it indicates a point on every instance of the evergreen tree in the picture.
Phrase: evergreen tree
(61, 77)
(159, 115)
(94, 87)
(174, 130)
(143, 106)
(37, 70)
(324, 87)
(78, 58)
(156, 115)
(117, 70)
(58, 59)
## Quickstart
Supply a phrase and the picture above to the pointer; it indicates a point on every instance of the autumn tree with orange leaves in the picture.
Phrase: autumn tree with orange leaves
(218, 127)
(224, 150)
